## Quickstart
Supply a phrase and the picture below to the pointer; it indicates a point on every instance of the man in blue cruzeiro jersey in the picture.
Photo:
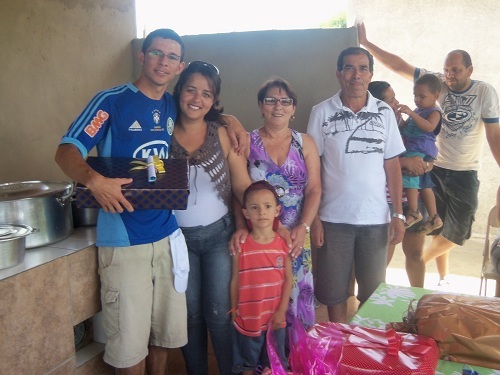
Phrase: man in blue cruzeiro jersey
(143, 299)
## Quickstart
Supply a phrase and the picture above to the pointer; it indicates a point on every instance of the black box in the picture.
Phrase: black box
(169, 192)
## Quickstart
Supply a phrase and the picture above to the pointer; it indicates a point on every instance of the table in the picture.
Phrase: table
(389, 303)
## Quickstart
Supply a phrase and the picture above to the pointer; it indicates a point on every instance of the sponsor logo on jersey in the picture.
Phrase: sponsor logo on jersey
(156, 116)
(135, 127)
(93, 128)
(170, 125)
(159, 148)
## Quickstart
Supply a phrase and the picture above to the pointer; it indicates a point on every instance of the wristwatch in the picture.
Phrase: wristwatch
(308, 228)
(399, 216)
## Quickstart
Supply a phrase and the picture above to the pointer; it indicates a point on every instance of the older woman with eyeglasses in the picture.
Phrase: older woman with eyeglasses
(216, 171)
(289, 161)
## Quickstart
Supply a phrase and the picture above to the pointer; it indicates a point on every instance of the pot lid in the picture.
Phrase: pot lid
(32, 189)
(12, 231)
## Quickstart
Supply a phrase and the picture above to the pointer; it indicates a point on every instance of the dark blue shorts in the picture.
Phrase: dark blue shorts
(456, 201)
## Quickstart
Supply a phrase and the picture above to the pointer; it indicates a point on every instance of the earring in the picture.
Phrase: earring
(292, 118)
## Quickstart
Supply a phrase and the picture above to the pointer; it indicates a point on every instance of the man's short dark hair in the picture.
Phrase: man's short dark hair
(164, 34)
(354, 51)
(465, 56)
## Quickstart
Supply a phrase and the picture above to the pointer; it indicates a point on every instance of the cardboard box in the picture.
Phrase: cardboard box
(169, 192)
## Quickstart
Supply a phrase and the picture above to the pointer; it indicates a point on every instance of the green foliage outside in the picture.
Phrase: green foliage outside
(336, 22)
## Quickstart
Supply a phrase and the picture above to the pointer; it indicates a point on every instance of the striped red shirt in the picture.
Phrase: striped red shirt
(261, 276)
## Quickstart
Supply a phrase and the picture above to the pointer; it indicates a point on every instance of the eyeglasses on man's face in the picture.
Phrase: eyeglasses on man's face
(203, 63)
(285, 102)
(159, 55)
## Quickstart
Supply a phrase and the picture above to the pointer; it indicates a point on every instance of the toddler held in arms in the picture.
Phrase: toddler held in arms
(419, 133)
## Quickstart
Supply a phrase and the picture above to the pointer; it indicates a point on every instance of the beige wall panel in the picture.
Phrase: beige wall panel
(56, 56)
(305, 58)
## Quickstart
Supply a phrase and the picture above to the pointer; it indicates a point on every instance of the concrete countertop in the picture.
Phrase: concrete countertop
(80, 239)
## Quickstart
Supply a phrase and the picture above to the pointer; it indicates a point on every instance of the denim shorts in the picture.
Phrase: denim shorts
(248, 352)
(365, 247)
(456, 201)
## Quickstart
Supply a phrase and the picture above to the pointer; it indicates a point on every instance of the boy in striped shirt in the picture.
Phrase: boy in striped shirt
(261, 281)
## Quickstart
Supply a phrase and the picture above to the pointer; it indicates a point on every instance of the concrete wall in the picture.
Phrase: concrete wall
(305, 58)
(423, 32)
(55, 55)
(58, 53)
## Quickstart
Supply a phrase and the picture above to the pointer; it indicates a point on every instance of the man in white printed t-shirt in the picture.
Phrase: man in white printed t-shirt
(470, 109)
(359, 143)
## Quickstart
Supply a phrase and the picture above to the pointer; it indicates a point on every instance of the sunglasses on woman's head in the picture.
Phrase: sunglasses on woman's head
(203, 63)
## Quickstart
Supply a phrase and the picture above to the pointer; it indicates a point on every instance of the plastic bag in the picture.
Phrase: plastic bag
(312, 353)
(383, 352)
(277, 367)
(346, 349)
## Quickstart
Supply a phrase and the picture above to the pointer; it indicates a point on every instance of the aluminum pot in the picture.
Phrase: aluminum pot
(44, 205)
(13, 244)
(83, 217)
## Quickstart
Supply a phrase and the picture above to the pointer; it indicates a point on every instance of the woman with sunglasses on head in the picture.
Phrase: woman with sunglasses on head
(216, 171)
(289, 161)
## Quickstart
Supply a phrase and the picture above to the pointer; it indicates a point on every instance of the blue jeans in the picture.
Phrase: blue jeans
(249, 351)
(208, 297)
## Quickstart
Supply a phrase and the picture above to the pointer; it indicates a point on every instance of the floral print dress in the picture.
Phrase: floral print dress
(289, 180)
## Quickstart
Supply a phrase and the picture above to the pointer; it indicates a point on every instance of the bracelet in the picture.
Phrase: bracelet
(426, 166)
(232, 311)
(308, 228)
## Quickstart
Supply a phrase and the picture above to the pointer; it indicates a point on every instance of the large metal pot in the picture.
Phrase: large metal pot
(43, 205)
(13, 244)
(83, 217)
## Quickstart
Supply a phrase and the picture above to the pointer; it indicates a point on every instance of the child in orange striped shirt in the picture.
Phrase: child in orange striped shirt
(261, 281)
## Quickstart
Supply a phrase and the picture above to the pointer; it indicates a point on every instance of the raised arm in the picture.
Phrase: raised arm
(107, 191)
(389, 60)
